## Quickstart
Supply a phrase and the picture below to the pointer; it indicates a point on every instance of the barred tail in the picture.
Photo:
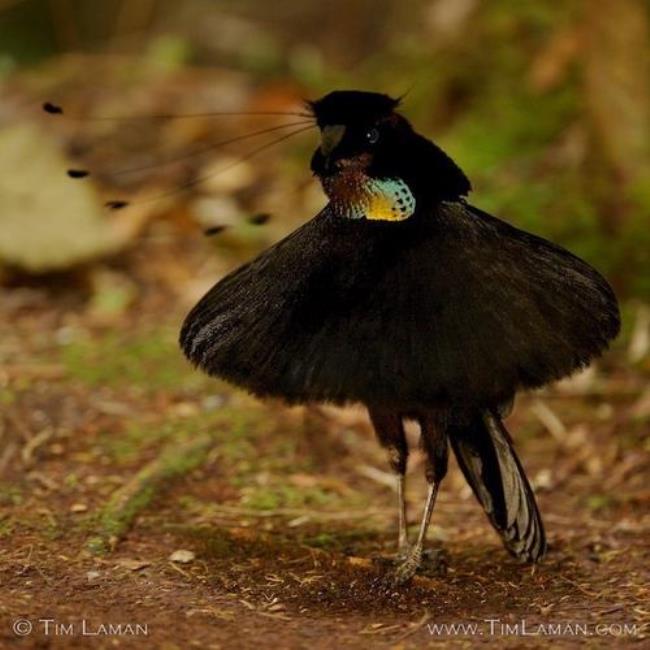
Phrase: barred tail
(488, 460)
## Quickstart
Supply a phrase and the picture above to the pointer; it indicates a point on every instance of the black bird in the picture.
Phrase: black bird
(404, 297)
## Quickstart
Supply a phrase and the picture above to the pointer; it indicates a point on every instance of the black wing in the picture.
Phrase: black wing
(453, 307)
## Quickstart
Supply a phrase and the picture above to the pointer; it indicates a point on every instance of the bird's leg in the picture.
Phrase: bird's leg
(402, 536)
(390, 433)
(434, 442)
(407, 568)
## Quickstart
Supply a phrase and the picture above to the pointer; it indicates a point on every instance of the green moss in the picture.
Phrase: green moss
(127, 446)
(53, 531)
(322, 540)
(600, 501)
(340, 539)
(10, 495)
(149, 360)
(287, 496)
(97, 545)
(71, 480)
(234, 428)
(126, 503)
(117, 516)
(7, 527)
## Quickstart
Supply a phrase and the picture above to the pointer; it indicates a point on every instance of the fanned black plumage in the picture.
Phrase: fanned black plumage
(452, 307)
(402, 296)
(488, 461)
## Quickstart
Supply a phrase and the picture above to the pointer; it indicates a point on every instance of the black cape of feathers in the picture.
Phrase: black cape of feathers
(454, 308)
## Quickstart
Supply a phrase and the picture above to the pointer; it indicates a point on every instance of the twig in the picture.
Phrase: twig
(33, 444)
(126, 502)
(418, 625)
(377, 475)
(550, 420)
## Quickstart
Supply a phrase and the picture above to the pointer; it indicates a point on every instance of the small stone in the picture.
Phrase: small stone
(543, 480)
(78, 507)
(212, 402)
(182, 556)
(184, 409)
(93, 576)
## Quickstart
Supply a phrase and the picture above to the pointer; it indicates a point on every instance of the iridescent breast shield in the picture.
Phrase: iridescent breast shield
(357, 196)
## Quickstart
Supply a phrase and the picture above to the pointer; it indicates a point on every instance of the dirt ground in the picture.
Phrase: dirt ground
(115, 455)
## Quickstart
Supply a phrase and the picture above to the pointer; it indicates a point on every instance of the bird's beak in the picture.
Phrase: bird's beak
(331, 136)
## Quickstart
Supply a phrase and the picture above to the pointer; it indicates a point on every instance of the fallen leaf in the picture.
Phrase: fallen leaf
(133, 565)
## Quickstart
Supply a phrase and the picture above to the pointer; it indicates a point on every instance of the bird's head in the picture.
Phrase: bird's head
(371, 162)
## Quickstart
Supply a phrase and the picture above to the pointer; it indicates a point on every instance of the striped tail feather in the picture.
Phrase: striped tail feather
(488, 460)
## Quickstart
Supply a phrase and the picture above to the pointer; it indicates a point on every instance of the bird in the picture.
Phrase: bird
(401, 296)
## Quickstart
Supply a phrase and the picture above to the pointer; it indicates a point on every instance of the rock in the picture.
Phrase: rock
(182, 556)
(49, 221)
(93, 576)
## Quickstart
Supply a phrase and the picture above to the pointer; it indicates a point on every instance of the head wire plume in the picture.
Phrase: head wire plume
(306, 123)
(57, 109)
(212, 146)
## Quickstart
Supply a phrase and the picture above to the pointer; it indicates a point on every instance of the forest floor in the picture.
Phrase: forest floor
(116, 455)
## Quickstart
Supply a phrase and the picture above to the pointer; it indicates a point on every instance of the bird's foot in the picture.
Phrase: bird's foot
(389, 561)
(408, 561)
(406, 569)
(401, 567)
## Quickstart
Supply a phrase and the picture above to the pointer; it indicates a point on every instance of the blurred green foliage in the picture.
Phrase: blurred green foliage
(144, 361)
(503, 86)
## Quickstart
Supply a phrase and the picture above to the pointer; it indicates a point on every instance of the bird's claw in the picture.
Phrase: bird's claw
(407, 562)
(406, 569)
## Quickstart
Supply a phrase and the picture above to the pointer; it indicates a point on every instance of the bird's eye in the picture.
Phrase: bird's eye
(372, 136)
